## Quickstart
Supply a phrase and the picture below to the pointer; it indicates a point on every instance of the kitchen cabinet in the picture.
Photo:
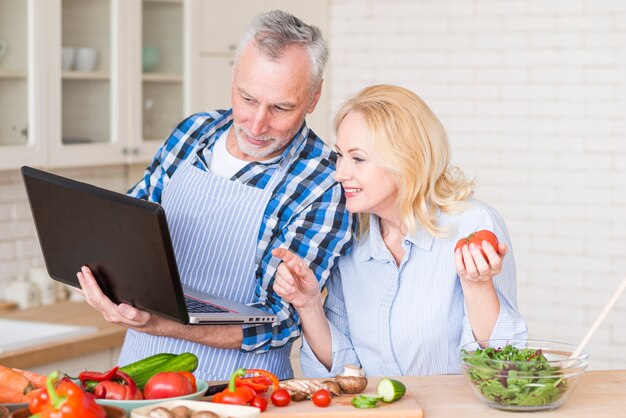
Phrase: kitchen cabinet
(87, 82)
(19, 109)
(221, 24)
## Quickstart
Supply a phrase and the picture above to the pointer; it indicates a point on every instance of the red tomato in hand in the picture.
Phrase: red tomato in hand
(477, 239)
(167, 385)
(281, 397)
(321, 398)
(259, 402)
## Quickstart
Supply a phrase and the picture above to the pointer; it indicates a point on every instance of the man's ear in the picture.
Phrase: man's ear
(316, 97)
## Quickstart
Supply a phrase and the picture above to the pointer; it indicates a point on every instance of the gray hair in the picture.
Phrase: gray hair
(276, 30)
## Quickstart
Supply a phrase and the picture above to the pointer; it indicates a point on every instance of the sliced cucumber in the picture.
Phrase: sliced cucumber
(366, 401)
(391, 390)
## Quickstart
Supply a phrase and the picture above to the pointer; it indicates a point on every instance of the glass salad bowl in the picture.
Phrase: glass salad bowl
(522, 375)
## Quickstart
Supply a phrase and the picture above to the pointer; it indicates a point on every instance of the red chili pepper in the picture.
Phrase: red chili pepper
(235, 395)
(97, 376)
(67, 401)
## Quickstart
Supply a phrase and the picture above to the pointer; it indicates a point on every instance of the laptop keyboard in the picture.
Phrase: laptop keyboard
(196, 306)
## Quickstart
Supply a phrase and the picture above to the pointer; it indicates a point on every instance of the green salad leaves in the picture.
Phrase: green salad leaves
(514, 377)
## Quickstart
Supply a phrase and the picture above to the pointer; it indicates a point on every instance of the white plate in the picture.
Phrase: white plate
(223, 410)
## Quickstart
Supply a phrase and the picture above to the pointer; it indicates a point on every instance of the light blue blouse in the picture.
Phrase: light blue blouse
(411, 319)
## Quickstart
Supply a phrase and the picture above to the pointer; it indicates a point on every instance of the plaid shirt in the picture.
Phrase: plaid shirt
(305, 214)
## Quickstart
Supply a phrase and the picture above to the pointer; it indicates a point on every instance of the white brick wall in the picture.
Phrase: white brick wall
(533, 94)
(19, 246)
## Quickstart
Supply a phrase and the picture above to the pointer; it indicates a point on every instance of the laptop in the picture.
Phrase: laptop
(126, 243)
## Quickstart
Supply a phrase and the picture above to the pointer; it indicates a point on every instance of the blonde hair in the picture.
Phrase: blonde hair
(407, 139)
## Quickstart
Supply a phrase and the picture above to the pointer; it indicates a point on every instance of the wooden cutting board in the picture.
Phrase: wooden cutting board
(407, 407)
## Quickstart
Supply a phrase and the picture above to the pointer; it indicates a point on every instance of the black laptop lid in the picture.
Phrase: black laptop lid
(125, 241)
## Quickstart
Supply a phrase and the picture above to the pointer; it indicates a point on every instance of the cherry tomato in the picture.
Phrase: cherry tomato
(321, 398)
(259, 402)
(167, 385)
(281, 397)
(477, 239)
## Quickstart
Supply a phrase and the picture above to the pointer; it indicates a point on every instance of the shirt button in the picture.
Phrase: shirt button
(407, 242)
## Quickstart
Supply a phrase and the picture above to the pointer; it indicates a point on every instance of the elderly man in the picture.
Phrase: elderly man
(256, 177)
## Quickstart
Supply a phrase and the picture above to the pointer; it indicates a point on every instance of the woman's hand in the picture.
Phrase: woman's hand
(472, 266)
(295, 282)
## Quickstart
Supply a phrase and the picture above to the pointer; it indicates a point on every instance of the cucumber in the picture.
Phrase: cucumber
(391, 390)
(141, 371)
(366, 401)
(141, 365)
(137, 367)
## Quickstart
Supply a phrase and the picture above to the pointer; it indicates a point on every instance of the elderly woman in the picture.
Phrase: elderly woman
(403, 301)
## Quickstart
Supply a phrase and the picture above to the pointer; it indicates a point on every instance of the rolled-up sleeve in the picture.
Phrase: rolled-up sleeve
(510, 323)
(342, 350)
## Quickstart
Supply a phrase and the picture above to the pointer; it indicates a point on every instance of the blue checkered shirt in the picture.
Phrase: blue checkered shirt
(305, 214)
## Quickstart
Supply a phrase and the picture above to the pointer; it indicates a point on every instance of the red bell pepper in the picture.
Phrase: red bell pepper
(264, 374)
(110, 389)
(67, 400)
(235, 395)
(260, 384)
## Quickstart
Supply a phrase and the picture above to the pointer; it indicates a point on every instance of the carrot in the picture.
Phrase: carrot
(8, 395)
(10, 379)
(38, 380)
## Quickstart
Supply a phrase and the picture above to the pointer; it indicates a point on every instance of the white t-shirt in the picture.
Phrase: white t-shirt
(222, 162)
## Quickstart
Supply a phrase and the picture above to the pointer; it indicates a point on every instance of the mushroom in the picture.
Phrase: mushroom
(204, 414)
(352, 380)
(160, 412)
(181, 411)
(332, 387)
(299, 396)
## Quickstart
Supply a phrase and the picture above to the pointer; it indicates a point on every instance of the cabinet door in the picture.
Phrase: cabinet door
(88, 83)
(20, 72)
(162, 55)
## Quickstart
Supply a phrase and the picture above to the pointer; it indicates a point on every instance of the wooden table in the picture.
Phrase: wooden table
(67, 313)
(599, 394)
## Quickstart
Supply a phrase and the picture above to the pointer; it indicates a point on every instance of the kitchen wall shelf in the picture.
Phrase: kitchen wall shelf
(162, 78)
(75, 75)
(21, 75)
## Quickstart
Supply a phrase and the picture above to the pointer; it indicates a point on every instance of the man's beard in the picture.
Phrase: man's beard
(274, 144)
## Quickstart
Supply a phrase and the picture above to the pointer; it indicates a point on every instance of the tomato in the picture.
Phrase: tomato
(259, 402)
(281, 397)
(321, 398)
(477, 239)
(167, 385)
